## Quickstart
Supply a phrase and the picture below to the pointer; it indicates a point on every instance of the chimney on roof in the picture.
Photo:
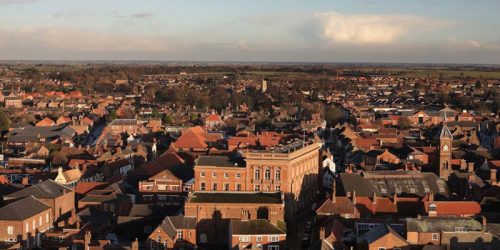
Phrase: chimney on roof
(374, 197)
(135, 244)
(470, 167)
(87, 239)
(430, 196)
(334, 192)
(322, 233)
(354, 197)
(395, 198)
(484, 222)
(432, 210)
(493, 176)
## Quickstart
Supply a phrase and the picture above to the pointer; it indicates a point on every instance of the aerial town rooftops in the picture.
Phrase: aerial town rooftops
(439, 224)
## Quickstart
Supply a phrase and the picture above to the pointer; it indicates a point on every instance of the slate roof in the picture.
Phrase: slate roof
(254, 227)
(377, 233)
(236, 197)
(171, 224)
(386, 183)
(48, 189)
(31, 133)
(218, 161)
(438, 224)
(23, 209)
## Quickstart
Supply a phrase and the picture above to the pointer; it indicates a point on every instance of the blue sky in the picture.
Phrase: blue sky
(435, 31)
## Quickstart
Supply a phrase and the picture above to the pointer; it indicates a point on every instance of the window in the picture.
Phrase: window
(435, 236)
(256, 187)
(214, 186)
(226, 175)
(244, 239)
(273, 247)
(202, 174)
(10, 230)
(277, 175)
(274, 238)
(27, 227)
(158, 239)
(238, 175)
(214, 175)
(257, 174)
(203, 238)
(258, 238)
(179, 234)
(267, 174)
(460, 229)
(47, 218)
(238, 187)
(381, 248)
(202, 186)
(40, 221)
(277, 188)
(226, 186)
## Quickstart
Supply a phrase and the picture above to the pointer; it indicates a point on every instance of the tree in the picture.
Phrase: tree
(112, 115)
(4, 121)
(404, 123)
(333, 115)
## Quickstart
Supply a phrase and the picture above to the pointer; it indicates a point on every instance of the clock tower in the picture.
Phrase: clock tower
(445, 147)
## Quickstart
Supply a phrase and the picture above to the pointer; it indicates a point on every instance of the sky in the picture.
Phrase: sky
(386, 31)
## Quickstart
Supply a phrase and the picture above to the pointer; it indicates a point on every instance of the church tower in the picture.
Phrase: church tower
(445, 147)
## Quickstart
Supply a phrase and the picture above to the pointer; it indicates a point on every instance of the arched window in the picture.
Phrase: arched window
(257, 174)
(267, 174)
(203, 238)
(277, 174)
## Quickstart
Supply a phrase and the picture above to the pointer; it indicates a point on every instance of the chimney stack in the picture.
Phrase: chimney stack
(135, 244)
(470, 167)
(493, 176)
(395, 198)
(374, 197)
(354, 197)
(431, 196)
(87, 239)
(334, 192)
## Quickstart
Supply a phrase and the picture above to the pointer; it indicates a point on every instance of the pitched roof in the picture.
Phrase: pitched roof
(438, 224)
(23, 209)
(377, 233)
(342, 205)
(454, 208)
(254, 227)
(171, 224)
(48, 189)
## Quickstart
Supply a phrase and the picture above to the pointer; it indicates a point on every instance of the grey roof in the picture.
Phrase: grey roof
(236, 197)
(386, 183)
(254, 227)
(171, 224)
(377, 233)
(32, 133)
(48, 189)
(445, 133)
(23, 209)
(124, 122)
(218, 161)
(439, 224)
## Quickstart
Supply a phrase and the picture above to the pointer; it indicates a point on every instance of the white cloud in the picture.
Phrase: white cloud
(69, 42)
(472, 44)
(372, 29)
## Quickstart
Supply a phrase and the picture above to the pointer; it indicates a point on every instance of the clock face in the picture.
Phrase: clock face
(446, 148)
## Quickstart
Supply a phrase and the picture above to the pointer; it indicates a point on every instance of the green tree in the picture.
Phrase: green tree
(333, 115)
(4, 121)
(112, 116)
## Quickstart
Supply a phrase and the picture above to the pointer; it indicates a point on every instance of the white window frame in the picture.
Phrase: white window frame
(10, 230)
(202, 174)
(273, 238)
(226, 175)
(245, 239)
(435, 236)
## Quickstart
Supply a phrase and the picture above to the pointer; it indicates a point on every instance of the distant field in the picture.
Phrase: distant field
(436, 73)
